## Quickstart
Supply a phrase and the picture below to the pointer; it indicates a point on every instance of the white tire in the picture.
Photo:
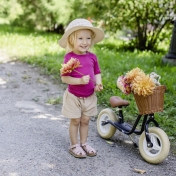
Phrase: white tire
(160, 149)
(106, 131)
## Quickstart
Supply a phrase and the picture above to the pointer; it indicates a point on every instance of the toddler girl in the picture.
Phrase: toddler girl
(80, 101)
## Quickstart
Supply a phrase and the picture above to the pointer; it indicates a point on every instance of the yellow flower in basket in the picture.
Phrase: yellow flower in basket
(133, 74)
(142, 85)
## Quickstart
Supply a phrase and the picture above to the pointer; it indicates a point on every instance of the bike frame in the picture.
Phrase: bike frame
(129, 129)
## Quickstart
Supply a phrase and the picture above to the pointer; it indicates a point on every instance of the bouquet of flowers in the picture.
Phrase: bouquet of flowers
(138, 82)
(70, 66)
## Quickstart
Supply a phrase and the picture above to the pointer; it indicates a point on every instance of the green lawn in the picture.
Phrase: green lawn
(41, 49)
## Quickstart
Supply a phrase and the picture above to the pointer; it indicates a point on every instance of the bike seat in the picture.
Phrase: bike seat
(116, 101)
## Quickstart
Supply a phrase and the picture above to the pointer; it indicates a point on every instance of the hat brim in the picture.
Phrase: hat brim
(99, 34)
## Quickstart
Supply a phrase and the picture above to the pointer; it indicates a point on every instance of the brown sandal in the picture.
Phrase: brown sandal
(89, 150)
(77, 151)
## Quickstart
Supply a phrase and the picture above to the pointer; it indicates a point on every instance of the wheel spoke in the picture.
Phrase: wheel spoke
(105, 128)
(156, 145)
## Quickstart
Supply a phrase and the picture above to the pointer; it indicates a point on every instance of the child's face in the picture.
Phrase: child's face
(83, 41)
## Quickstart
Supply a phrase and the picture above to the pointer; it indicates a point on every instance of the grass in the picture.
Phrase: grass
(41, 49)
(54, 101)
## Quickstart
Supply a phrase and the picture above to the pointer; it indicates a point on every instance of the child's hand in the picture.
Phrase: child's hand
(98, 87)
(85, 79)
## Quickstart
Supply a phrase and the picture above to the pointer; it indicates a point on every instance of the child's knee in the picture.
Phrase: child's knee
(75, 122)
(85, 120)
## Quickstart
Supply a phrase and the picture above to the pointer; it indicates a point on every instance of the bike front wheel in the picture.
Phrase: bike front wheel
(160, 149)
(106, 131)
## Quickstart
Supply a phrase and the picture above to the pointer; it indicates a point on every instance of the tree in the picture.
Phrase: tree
(145, 19)
(7, 12)
(42, 14)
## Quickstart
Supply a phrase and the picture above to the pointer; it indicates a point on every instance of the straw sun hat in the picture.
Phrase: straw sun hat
(81, 24)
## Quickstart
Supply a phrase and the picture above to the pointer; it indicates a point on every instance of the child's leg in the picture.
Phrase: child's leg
(84, 126)
(83, 129)
(75, 149)
(73, 130)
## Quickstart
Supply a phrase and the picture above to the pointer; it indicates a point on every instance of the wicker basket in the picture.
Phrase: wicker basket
(152, 103)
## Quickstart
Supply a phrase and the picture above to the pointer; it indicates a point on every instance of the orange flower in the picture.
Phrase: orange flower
(70, 66)
(142, 85)
(133, 73)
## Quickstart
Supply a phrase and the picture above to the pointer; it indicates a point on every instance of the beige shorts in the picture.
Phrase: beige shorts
(74, 107)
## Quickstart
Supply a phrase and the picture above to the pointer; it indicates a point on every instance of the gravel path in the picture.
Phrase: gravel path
(34, 134)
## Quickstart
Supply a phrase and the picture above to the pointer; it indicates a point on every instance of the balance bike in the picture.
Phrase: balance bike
(153, 142)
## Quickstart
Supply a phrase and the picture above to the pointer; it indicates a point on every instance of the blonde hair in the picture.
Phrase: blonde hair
(72, 38)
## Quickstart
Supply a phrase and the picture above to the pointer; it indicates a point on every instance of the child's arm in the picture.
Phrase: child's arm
(99, 86)
(75, 81)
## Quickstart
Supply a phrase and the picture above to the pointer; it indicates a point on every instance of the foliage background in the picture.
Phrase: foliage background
(144, 22)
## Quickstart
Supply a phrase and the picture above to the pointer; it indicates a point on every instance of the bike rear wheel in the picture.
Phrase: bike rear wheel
(160, 149)
(106, 131)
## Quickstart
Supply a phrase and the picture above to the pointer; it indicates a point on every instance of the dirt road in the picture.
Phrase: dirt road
(34, 135)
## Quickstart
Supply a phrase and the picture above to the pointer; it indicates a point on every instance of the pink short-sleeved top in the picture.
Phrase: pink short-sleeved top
(89, 66)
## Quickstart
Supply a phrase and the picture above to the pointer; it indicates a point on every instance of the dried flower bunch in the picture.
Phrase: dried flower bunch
(138, 82)
(70, 66)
